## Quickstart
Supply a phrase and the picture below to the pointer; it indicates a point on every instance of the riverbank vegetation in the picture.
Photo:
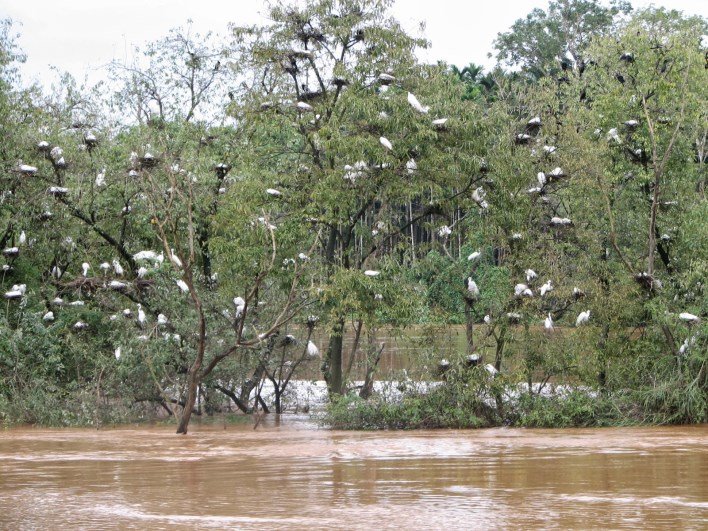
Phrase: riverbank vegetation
(226, 216)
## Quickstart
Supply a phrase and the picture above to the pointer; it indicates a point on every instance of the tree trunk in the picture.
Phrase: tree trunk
(192, 386)
(469, 328)
(333, 374)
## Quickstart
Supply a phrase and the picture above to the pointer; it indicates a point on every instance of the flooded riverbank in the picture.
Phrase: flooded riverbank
(292, 475)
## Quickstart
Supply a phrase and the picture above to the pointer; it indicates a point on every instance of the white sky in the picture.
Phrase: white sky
(81, 36)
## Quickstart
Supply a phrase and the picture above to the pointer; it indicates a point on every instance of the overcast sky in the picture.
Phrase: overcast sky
(81, 36)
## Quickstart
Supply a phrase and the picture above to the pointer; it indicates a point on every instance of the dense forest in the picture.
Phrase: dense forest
(222, 212)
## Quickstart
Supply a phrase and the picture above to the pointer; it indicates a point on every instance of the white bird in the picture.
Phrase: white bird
(175, 259)
(27, 169)
(127, 313)
(557, 172)
(303, 257)
(145, 255)
(689, 317)
(530, 275)
(631, 123)
(411, 166)
(444, 231)
(105, 266)
(548, 323)
(49, 316)
(583, 317)
(517, 236)
(536, 120)
(141, 315)
(491, 369)
(80, 325)
(613, 135)
(416, 104)
(117, 268)
(474, 256)
(371, 273)
(274, 192)
(301, 105)
(385, 142)
(142, 271)
(472, 287)
(101, 178)
(161, 319)
(22, 239)
(548, 286)
(555, 220)
(440, 122)
(182, 285)
(13, 294)
(85, 268)
(386, 78)
(522, 290)
(57, 301)
(240, 306)
(117, 353)
(56, 152)
(378, 297)
(541, 178)
(117, 284)
(312, 350)
(77, 303)
(487, 319)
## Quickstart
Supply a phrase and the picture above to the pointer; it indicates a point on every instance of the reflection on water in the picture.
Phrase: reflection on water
(292, 475)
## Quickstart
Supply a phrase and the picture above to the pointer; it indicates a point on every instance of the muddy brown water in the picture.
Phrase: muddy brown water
(290, 474)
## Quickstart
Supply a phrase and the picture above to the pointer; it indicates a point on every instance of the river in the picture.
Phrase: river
(291, 474)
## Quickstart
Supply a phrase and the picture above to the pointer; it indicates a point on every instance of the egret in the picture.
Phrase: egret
(416, 104)
(411, 166)
(578, 293)
(535, 121)
(77, 303)
(105, 267)
(522, 290)
(303, 257)
(371, 273)
(117, 268)
(386, 78)
(11, 251)
(472, 288)
(117, 285)
(491, 369)
(117, 353)
(548, 323)
(57, 301)
(613, 135)
(548, 286)
(142, 271)
(487, 319)
(541, 178)
(141, 316)
(530, 275)
(474, 256)
(57, 190)
(631, 124)
(182, 285)
(689, 317)
(133, 173)
(557, 172)
(302, 106)
(513, 316)
(13, 294)
(240, 306)
(444, 231)
(101, 178)
(440, 122)
(555, 220)
(175, 259)
(378, 297)
(161, 319)
(274, 192)
(145, 255)
(43, 145)
(127, 313)
(49, 316)
(22, 239)
(385, 142)
(56, 152)
(549, 150)
(583, 317)
(85, 268)
(517, 236)
(80, 325)
(312, 350)
(27, 170)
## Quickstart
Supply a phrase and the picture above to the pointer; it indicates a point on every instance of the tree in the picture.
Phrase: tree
(545, 42)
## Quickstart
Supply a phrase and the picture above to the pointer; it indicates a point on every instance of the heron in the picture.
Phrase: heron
(548, 323)
(530, 275)
(444, 231)
(22, 239)
(175, 259)
(117, 268)
(474, 256)
(26, 169)
(583, 318)
(274, 192)
(312, 350)
(240, 306)
(522, 290)
(85, 268)
(548, 286)
(117, 285)
(385, 142)
(182, 285)
(141, 315)
(372, 273)
(689, 317)
(47, 317)
(416, 104)
(472, 288)
(161, 319)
